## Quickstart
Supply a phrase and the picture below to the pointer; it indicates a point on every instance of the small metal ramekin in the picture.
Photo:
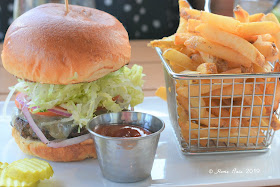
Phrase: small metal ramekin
(126, 159)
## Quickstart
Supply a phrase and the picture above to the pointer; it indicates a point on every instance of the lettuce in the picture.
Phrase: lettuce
(82, 99)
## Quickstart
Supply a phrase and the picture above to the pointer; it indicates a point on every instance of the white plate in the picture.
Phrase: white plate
(171, 167)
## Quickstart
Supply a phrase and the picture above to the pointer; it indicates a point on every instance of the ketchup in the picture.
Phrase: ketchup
(123, 131)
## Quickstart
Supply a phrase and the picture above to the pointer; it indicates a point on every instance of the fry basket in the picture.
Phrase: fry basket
(236, 115)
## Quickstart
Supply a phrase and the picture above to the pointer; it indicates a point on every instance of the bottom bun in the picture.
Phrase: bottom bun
(70, 153)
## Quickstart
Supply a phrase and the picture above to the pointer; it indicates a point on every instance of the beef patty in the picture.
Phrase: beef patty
(66, 129)
(22, 125)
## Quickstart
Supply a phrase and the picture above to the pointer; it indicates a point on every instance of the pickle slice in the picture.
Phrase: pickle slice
(8, 182)
(29, 170)
(3, 165)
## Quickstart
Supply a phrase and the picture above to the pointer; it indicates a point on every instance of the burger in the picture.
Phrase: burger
(71, 66)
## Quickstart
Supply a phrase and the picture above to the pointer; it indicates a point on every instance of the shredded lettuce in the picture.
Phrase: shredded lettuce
(82, 99)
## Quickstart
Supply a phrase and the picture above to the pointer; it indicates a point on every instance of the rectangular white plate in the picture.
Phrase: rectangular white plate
(171, 167)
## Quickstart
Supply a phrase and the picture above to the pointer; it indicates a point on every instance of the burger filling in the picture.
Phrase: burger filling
(63, 111)
(53, 127)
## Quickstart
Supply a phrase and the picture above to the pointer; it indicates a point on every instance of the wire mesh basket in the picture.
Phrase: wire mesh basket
(222, 113)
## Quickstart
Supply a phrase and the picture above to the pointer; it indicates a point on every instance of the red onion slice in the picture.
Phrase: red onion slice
(54, 144)
(42, 137)
(33, 125)
(68, 142)
(60, 112)
(21, 98)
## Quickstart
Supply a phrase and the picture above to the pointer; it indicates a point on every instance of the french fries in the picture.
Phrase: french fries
(203, 113)
(232, 71)
(256, 17)
(161, 92)
(251, 39)
(270, 17)
(222, 135)
(197, 59)
(201, 44)
(207, 68)
(180, 38)
(221, 64)
(224, 23)
(187, 13)
(267, 49)
(238, 44)
(266, 38)
(192, 24)
(164, 42)
(183, 23)
(213, 104)
(241, 14)
(257, 28)
(180, 58)
(223, 112)
(236, 89)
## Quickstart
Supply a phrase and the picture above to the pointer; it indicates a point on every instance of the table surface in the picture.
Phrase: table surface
(147, 57)
(170, 168)
(141, 54)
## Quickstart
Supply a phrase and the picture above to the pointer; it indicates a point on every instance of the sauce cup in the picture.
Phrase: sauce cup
(126, 159)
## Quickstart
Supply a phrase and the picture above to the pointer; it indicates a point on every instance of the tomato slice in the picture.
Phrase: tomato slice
(18, 105)
(46, 113)
(115, 98)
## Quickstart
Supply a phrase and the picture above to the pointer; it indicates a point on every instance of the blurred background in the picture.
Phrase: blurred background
(143, 19)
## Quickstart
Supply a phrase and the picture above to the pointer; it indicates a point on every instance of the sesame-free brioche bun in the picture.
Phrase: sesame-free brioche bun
(76, 152)
(49, 45)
